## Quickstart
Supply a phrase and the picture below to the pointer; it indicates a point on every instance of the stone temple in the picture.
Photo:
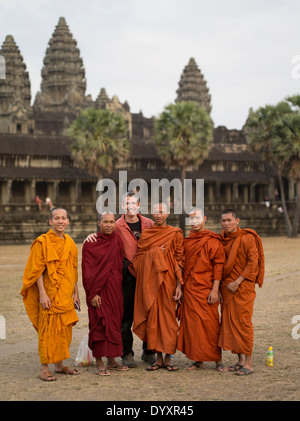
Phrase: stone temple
(35, 157)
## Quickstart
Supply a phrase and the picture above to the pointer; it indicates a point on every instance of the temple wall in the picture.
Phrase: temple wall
(21, 224)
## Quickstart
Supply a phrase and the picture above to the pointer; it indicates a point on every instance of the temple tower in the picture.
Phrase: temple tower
(192, 86)
(63, 75)
(104, 102)
(15, 94)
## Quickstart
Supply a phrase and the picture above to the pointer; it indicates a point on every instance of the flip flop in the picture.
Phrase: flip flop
(102, 372)
(67, 370)
(170, 367)
(235, 367)
(154, 367)
(118, 367)
(244, 372)
(46, 376)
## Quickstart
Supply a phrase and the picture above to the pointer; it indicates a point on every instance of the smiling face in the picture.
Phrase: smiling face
(131, 205)
(160, 214)
(197, 220)
(59, 221)
(107, 223)
(229, 222)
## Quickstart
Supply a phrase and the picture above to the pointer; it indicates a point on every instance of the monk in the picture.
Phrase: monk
(199, 316)
(243, 269)
(158, 265)
(102, 263)
(50, 292)
(129, 227)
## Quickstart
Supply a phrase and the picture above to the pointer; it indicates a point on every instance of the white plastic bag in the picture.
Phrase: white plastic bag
(84, 355)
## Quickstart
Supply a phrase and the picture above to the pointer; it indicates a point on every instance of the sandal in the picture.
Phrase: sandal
(195, 365)
(154, 367)
(170, 367)
(220, 366)
(67, 370)
(118, 367)
(244, 372)
(235, 367)
(102, 372)
(46, 376)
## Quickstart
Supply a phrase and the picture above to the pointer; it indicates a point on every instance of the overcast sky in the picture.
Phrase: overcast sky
(248, 51)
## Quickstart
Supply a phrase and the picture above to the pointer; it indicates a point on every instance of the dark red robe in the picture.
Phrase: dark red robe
(102, 263)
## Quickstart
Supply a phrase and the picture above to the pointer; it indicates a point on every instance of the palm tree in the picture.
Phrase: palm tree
(289, 131)
(183, 134)
(99, 140)
(273, 131)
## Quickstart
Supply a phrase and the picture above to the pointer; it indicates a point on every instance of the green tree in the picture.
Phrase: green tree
(99, 140)
(183, 134)
(273, 131)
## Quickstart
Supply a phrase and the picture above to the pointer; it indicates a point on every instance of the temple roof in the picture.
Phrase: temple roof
(192, 86)
(63, 75)
(16, 85)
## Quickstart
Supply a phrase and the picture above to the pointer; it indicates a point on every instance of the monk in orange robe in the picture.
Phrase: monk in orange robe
(199, 315)
(243, 269)
(158, 265)
(50, 292)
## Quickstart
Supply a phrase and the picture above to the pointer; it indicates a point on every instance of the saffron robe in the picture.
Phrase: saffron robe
(199, 321)
(157, 272)
(57, 259)
(102, 263)
(244, 257)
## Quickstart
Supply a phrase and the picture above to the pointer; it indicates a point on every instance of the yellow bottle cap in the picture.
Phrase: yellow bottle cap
(270, 348)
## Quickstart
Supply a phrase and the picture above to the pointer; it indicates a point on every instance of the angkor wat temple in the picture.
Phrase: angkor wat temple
(35, 157)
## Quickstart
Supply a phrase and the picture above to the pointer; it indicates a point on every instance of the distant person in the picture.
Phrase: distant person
(102, 263)
(158, 265)
(50, 292)
(129, 227)
(49, 203)
(199, 316)
(39, 202)
(244, 267)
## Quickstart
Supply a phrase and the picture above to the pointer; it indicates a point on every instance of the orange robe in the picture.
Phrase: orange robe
(157, 272)
(57, 259)
(199, 321)
(244, 257)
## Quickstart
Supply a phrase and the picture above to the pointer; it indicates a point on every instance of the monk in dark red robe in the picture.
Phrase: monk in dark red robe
(243, 269)
(158, 265)
(199, 316)
(102, 263)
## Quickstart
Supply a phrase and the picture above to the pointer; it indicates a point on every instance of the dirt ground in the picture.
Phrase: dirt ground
(276, 304)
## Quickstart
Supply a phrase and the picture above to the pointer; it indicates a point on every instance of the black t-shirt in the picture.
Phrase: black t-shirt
(136, 228)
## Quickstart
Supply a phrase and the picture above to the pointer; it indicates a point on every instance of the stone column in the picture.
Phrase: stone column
(252, 192)
(235, 192)
(228, 193)
(7, 192)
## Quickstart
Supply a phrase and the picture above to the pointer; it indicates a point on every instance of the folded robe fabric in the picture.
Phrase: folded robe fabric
(157, 273)
(102, 263)
(57, 259)
(199, 321)
(244, 257)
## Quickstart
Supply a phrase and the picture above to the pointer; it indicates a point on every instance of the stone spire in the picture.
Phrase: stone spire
(102, 99)
(63, 75)
(192, 86)
(15, 95)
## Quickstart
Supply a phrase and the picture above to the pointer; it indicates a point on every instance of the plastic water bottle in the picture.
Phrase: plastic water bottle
(270, 357)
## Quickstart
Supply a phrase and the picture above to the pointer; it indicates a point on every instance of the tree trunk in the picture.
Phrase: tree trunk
(182, 215)
(297, 211)
(288, 224)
